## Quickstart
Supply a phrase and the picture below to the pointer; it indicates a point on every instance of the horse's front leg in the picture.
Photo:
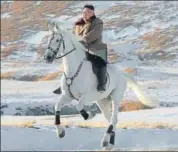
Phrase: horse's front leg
(59, 105)
(80, 107)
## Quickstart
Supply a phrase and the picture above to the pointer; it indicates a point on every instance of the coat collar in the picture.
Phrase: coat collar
(81, 21)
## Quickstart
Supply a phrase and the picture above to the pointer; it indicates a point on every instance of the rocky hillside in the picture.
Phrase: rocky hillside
(149, 28)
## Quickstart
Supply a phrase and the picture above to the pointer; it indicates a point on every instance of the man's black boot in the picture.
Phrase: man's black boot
(101, 75)
(57, 91)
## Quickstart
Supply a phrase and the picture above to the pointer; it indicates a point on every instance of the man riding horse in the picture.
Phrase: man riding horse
(88, 30)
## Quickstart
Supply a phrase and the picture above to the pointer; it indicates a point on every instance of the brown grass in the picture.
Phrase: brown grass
(91, 124)
(130, 70)
(7, 75)
(13, 27)
(113, 58)
(9, 49)
(126, 105)
(20, 124)
(50, 76)
(155, 39)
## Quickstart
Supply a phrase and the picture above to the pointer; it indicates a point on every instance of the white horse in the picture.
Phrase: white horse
(80, 83)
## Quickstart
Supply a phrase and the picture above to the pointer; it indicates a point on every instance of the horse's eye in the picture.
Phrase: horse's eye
(57, 40)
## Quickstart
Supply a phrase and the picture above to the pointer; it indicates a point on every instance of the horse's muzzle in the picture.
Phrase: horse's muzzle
(49, 57)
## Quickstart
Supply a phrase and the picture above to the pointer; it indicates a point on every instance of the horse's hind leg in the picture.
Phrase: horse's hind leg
(105, 106)
(111, 114)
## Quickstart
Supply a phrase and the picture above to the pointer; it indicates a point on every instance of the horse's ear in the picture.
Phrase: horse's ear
(50, 25)
(56, 28)
(59, 27)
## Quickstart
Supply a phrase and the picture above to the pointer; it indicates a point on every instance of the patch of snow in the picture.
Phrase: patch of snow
(66, 21)
(7, 2)
(37, 38)
(38, 3)
(161, 69)
(109, 36)
(62, 17)
(112, 17)
(130, 31)
(50, 15)
(5, 15)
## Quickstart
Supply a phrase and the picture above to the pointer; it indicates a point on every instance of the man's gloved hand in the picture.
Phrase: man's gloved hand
(79, 38)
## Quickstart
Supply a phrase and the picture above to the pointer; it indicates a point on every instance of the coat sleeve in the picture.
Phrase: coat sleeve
(79, 38)
(94, 34)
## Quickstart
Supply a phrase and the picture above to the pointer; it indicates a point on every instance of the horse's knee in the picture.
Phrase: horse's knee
(58, 106)
(84, 114)
(64, 100)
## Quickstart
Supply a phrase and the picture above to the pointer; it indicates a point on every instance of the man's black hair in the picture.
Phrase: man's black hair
(91, 7)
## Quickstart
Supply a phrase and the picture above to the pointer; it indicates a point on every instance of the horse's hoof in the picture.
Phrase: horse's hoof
(105, 144)
(108, 147)
(60, 132)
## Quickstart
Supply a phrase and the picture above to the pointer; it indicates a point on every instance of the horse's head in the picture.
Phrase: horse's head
(56, 43)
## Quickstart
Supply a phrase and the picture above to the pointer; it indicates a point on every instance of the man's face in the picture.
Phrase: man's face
(87, 13)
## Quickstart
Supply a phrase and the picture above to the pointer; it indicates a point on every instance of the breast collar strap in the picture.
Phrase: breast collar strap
(69, 81)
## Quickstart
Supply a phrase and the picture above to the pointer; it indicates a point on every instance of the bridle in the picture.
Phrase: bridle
(61, 41)
(69, 81)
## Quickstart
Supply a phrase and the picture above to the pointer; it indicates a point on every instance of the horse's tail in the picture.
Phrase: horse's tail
(136, 88)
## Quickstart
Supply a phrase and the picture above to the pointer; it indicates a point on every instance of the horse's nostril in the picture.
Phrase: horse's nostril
(49, 57)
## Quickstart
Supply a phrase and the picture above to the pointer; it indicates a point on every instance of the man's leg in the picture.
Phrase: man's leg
(99, 68)
(101, 74)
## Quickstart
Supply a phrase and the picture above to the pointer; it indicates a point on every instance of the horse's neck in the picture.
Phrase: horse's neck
(72, 61)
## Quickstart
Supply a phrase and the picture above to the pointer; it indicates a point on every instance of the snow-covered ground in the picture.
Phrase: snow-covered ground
(44, 138)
